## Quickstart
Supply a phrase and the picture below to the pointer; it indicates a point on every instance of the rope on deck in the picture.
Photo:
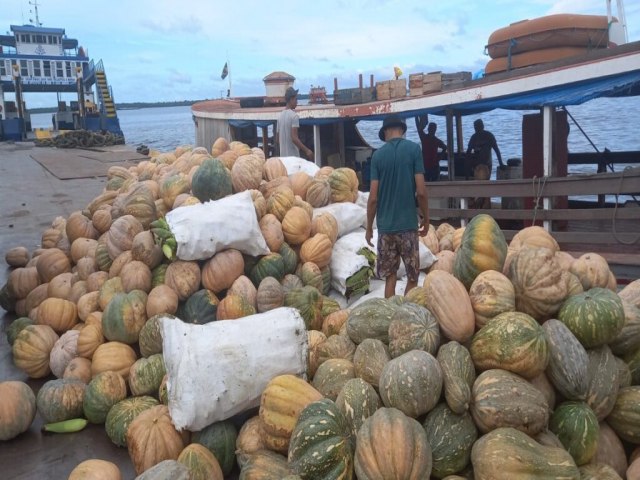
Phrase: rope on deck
(81, 139)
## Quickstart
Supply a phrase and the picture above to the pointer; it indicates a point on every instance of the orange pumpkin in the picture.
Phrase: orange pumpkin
(183, 277)
(274, 168)
(325, 223)
(317, 249)
(17, 257)
(94, 469)
(79, 226)
(300, 182)
(269, 188)
(17, 409)
(222, 269)
(136, 275)
(280, 202)
(51, 263)
(83, 247)
(259, 203)
(31, 350)
(101, 219)
(121, 233)
(161, 299)
(592, 270)
(114, 356)
(89, 339)
(246, 173)
(271, 229)
(59, 314)
(234, 306)
(22, 281)
(296, 226)
(318, 193)
(60, 285)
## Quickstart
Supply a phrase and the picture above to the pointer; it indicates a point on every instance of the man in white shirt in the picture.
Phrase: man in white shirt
(288, 124)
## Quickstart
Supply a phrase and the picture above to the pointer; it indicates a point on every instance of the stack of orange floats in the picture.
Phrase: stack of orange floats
(545, 39)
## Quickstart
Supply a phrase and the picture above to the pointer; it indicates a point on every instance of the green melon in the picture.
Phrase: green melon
(122, 414)
(211, 181)
(576, 426)
(103, 392)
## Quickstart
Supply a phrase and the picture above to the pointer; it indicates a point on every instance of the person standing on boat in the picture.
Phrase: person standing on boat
(430, 146)
(397, 182)
(288, 124)
(479, 149)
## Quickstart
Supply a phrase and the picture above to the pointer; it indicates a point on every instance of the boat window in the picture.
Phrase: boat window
(46, 66)
(59, 70)
(68, 69)
(24, 70)
(36, 68)
(3, 69)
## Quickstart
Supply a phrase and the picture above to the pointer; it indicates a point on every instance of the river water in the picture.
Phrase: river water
(605, 122)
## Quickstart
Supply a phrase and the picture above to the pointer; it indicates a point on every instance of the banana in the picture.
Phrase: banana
(160, 223)
(67, 426)
(161, 233)
(168, 251)
(171, 241)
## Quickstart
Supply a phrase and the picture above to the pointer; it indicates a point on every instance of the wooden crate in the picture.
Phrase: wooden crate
(415, 84)
(431, 82)
(398, 88)
(351, 96)
(383, 90)
(455, 80)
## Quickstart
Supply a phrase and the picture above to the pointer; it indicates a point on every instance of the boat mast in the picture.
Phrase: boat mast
(622, 17)
(35, 7)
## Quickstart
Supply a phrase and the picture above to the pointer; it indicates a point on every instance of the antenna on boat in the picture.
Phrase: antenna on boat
(35, 6)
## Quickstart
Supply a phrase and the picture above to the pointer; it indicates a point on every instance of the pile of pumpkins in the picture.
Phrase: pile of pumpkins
(508, 360)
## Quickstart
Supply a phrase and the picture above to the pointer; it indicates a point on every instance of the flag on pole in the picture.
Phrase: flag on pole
(225, 71)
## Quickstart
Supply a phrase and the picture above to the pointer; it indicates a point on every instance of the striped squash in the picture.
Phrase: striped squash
(577, 428)
(625, 416)
(603, 381)
(413, 327)
(202, 464)
(357, 401)
(458, 375)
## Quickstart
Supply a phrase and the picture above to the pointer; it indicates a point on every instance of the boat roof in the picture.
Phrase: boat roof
(34, 29)
(612, 72)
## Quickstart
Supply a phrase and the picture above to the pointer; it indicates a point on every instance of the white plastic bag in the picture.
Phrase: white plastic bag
(377, 289)
(220, 369)
(202, 230)
(297, 164)
(349, 216)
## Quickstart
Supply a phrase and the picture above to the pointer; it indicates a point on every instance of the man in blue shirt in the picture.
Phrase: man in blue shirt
(397, 180)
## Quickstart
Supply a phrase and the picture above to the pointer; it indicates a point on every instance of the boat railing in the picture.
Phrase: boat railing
(534, 201)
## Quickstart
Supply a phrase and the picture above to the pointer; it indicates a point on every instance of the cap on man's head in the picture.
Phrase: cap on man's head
(290, 93)
(389, 122)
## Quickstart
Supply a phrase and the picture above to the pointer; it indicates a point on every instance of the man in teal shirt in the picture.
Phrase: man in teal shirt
(397, 180)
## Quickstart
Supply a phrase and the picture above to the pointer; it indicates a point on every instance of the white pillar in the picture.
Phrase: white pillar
(547, 154)
(2, 113)
(317, 157)
(464, 205)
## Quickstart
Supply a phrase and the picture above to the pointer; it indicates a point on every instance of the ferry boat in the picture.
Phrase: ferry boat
(538, 191)
(34, 58)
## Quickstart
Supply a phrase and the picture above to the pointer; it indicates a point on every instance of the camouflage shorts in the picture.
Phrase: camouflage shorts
(394, 246)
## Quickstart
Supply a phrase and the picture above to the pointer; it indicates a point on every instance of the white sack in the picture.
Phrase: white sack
(377, 289)
(361, 201)
(297, 164)
(349, 216)
(220, 369)
(204, 229)
(345, 262)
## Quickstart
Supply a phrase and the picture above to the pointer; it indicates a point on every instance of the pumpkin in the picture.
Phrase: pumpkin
(411, 383)
(533, 237)
(271, 229)
(234, 306)
(183, 277)
(610, 450)
(248, 440)
(22, 281)
(60, 285)
(631, 293)
(222, 270)
(308, 301)
(94, 469)
(280, 202)
(79, 226)
(220, 439)
(592, 270)
(603, 381)
(17, 409)
(173, 186)
(311, 275)
(512, 341)
(281, 402)
(16, 327)
(139, 202)
(152, 438)
(357, 401)
(392, 445)
(17, 257)
(491, 294)
(243, 287)
(78, 289)
(449, 302)
(31, 350)
(219, 146)
(598, 472)
(121, 234)
(103, 392)
(451, 437)
(325, 223)
(540, 285)
(344, 185)
(315, 340)
(289, 258)
(296, 226)
(78, 368)
(96, 280)
(624, 416)
(300, 182)
(506, 453)
(101, 220)
(482, 248)
(504, 399)
(317, 249)
(595, 317)
(269, 188)
(200, 308)
(60, 400)
(51, 263)
(103, 260)
(458, 376)
(628, 339)
(369, 360)
(36, 297)
(161, 299)
(145, 375)
(336, 346)
(122, 414)
(576, 426)
(158, 274)
(542, 383)
(63, 351)
(202, 464)
(333, 322)
(145, 250)
(271, 265)
(246, 173)
(114, 356)
(124, 317)
(318, 193)
(150, 340)
(259, 203)
(291, 282)
(83, 247)
(331, 376)
(324, 172)
(274, 168)
(320, 444)
(270, 295)
(444, 261)
(413, 327)
(264, 465)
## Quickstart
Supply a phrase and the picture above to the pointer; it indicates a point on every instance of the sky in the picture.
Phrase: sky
(167, 50)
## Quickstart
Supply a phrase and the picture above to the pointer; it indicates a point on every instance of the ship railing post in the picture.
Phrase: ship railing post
(317, 155)
(547, 155)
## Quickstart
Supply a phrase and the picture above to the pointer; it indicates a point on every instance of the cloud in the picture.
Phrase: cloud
(176, 76)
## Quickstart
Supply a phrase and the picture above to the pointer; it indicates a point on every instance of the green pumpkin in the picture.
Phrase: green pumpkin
(145, 375)
(329, 306)
(625, 416)
(157, 275)
(308, 301)
(483, 247)
(412, 383)
(220, 439)
(321, 443)
(211, 181)
(458, 375)
(200, 308)
(371, 319)
(633, 362)
(332, 375)
(16, 327)
(264, 465)
(413, 327)
(60, 399)
(103, 392)
(357, 401)
(326, 280)
(311, 274)
(595, 317)
(290, 258)
(150, 339)
(451, 437)
(103, 259)
(271, 265)
(122, 414)
(604, 381)
(511, 341)
(124, 317)
(576, 426)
